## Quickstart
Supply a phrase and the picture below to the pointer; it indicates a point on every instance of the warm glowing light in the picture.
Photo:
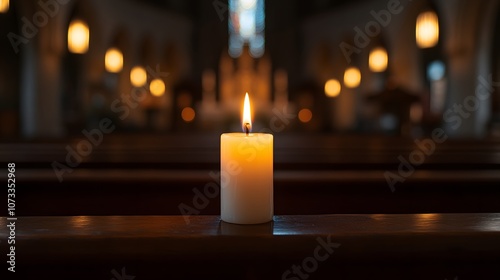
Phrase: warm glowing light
(113, 60)
(247, 115)
(305, 115)
(78, 36)
(426, 216)
(4, 6)
(352, 77)
(80, 222)
(138, 76)
(378, 60)
(427, 221)
(157, 87)
(332, 88)
(188, 114)
(427, 29)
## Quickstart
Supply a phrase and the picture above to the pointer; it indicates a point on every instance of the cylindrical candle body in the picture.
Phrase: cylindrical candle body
(246, 178)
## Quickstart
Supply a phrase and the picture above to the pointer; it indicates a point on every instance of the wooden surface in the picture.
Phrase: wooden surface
(297, 225)
(360, 235)
(313, 175)
(417, 246)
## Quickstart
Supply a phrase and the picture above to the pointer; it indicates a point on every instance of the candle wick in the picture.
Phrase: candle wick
(247, 128)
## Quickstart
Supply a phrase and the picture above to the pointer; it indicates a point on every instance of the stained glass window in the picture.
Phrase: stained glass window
(246, 27)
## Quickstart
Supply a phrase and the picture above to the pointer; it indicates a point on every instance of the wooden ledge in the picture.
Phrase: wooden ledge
(296, 225)
(424, 246)
(392, 236)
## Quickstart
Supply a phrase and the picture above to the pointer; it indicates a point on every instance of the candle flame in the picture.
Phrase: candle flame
(247, 119)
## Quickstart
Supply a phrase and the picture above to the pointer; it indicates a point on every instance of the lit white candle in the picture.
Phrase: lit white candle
(246, 174)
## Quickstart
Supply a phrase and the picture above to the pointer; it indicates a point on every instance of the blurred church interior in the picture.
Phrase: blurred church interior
(67, 64)
(115, 107)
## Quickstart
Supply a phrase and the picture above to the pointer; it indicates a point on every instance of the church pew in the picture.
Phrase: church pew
(313, 175)
(161, 192)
